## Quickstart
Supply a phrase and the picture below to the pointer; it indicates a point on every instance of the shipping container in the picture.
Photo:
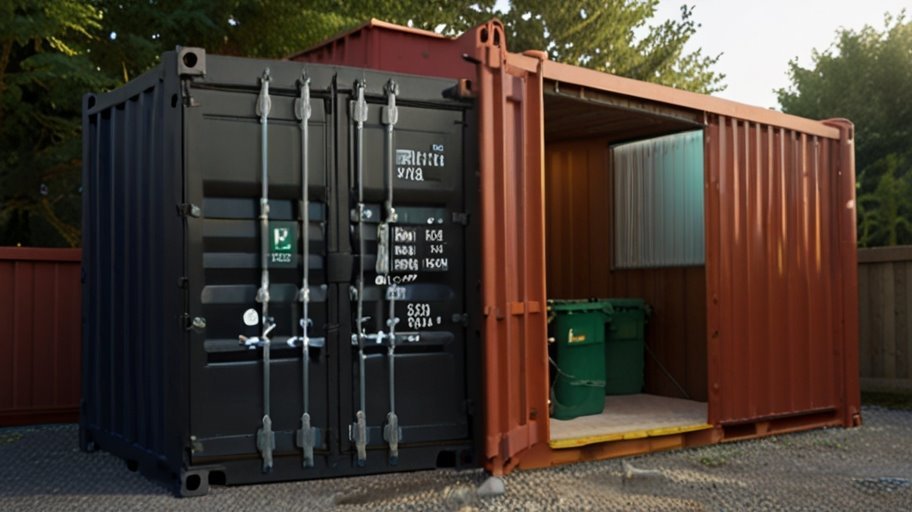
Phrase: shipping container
(280, 272)
(736, 224)
(39, 307)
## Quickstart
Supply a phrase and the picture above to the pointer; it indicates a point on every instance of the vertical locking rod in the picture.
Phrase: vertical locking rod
(307, 436)
(359, 428)
(265, 435)
(391, 431)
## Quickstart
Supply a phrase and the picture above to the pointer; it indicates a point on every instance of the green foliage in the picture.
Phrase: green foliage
(601, 35)
(43, 71)
(884, 213)
(261, 28)
(866, 76)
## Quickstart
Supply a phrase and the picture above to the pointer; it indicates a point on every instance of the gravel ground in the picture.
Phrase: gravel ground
(868, 468)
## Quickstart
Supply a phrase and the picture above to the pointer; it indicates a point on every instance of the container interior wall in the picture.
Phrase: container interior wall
(579, 247)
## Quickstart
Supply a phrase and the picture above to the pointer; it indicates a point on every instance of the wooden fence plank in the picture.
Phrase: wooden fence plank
(864, 321)
(888, 292)
(885, 318)
(907, 315)
(900, 308)
(876, 297)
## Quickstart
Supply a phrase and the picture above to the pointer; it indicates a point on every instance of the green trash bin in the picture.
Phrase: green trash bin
(578, 329)
(625, 348)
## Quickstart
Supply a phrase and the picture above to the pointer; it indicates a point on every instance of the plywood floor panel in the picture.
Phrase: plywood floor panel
(630, 417)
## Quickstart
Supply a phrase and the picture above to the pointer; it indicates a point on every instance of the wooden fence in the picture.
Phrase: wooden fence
(885, 318)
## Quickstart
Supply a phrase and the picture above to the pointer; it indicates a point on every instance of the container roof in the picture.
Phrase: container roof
(371, 23)
(598, 80)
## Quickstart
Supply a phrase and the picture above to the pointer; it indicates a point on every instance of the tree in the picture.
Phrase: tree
(43, 71)
(866, 76)
(134, 33)
(601, 34)
(884, 214)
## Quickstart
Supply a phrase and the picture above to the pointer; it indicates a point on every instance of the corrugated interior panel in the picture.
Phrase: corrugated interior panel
(658, 201)
(774, 272)
(579, 244)
(40, 304)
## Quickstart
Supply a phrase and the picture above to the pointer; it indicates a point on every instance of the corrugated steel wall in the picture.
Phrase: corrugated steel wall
(40, 312)
(131, 155)
(579, 244)
(777, 272)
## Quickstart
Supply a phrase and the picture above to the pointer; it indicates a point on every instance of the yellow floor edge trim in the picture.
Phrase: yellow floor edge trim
(633, 434)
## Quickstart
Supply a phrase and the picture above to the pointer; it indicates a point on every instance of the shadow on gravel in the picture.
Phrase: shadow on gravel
(46, 461)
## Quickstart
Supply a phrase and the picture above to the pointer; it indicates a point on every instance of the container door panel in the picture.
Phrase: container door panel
(420, 273)
(511, 148)
(223, 156)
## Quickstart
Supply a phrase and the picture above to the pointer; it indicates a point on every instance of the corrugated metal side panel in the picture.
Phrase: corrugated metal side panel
(511, 156)
(133, 256)
(658, 198)
(579, 242)
(39, 305)
(776, 272)
(401, 51)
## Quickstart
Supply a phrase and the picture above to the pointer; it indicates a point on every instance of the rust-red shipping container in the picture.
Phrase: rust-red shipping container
(759, 337)
(40, 309)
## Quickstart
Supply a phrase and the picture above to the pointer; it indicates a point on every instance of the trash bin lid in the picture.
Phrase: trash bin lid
(579, 305)
(627, 303)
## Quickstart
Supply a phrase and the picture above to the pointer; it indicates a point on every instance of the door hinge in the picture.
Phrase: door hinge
(196, 446)
(196, 323)
(189, 100)
(189, 210)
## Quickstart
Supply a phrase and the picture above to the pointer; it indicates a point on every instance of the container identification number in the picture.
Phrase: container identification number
(280, 257)
(419, 316)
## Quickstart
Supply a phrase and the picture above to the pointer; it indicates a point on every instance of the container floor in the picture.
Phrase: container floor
(630, 417)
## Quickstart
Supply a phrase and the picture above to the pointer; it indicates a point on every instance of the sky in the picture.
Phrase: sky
(758, 38)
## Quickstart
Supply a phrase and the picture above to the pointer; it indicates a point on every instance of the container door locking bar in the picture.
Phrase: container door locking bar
(392, 433)
(307, 436)
(265, 435)
(358, 429)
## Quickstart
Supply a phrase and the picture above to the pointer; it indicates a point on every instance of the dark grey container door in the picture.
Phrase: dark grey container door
(426, 258)
(222, 154)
